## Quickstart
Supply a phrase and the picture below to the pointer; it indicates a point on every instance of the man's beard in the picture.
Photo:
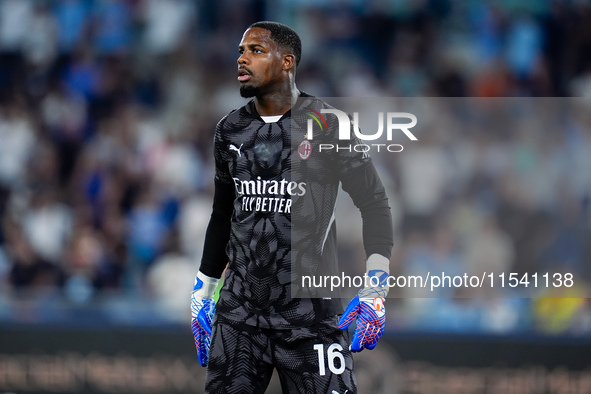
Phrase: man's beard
(247, 91)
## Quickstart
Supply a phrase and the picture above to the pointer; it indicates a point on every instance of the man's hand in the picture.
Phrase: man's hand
(202, 311)
(368, 308)
(371, 319)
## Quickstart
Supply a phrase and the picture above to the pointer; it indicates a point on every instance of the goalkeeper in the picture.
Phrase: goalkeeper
(261, 185)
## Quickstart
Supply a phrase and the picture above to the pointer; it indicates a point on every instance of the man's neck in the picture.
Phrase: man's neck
(277, 103)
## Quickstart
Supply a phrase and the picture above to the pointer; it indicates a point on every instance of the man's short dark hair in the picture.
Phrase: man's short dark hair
(284, 36)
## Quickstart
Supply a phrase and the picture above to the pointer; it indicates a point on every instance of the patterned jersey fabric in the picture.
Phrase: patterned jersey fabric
(283, 214)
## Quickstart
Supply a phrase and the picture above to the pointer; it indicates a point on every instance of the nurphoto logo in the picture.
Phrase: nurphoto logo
(389, 122)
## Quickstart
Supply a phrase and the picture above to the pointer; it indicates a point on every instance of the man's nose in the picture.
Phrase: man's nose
(243, 58)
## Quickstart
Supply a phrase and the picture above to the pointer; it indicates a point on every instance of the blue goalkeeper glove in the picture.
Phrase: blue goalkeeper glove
(368, 307)
(202, 311)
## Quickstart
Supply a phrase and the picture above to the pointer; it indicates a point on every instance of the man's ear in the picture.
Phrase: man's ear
(288, 61)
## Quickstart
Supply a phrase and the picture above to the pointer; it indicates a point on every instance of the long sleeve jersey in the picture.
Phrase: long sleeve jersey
(273, 217)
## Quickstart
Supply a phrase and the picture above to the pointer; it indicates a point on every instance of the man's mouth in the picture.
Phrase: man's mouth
(243, 75)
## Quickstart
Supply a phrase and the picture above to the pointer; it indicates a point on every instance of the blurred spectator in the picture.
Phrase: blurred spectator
(40, 46)
(167, 23)
(64, 114)
(82, 73)
(72, 19)
(17, 135)
(112, 25)
(424, 174)
(488, 250)
(523, 46)
(170, 279)
(147, 232)
(83, 261)
(47, 225)
(15, 21)
(439, 255)
(194, 213)
(29, 271)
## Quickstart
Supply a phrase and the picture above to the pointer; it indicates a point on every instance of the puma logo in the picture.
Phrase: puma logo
(232, 147)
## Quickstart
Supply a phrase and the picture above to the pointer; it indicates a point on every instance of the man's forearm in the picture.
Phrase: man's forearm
(214, 258)
(366, 189)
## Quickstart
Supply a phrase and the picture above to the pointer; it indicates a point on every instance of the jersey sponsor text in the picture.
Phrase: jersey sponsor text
(259, 195)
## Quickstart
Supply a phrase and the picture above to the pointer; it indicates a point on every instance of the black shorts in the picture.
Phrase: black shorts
(310, 360)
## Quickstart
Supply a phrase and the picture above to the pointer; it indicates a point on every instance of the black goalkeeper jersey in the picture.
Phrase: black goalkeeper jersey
(281, 223)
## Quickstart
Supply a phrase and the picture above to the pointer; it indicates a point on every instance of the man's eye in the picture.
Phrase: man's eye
(258, 50)
(241, 51)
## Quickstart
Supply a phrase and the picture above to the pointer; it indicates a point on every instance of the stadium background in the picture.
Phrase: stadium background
(107, 111)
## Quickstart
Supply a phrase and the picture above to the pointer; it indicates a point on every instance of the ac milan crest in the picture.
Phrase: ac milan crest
(305, 149)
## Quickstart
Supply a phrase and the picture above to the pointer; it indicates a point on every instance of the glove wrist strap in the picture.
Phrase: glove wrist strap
(377, 262)
(205, 286)
(378, 268)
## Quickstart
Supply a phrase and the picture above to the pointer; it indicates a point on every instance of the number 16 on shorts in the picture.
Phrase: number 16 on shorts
(336, 361)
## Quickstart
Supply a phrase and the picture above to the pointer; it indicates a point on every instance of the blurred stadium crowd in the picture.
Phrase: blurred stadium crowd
(107, 111)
